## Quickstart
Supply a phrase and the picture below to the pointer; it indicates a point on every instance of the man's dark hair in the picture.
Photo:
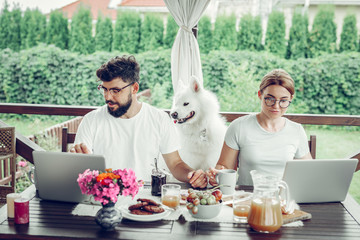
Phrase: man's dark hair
(124, 67)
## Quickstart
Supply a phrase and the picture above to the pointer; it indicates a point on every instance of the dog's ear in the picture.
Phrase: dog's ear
(194, 83)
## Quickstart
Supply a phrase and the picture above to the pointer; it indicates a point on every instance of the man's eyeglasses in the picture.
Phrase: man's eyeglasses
(270, 101)
(113, 91)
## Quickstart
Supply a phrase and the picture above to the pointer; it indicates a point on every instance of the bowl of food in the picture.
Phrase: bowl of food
(204, 204)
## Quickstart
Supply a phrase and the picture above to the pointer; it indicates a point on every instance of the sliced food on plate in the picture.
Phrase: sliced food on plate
(145, 207)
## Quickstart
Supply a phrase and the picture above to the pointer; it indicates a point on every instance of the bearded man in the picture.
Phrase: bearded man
(129, 133)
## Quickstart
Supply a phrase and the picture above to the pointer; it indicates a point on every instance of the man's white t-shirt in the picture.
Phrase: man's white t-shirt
(262, 150)
(129, 143)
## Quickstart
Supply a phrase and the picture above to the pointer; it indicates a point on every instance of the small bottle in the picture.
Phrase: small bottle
(157, 180)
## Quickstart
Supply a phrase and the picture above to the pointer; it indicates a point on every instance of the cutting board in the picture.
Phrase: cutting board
(296, 216)
(287, 218)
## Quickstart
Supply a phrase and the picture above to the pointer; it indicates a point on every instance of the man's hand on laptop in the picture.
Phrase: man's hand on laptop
(80, 148)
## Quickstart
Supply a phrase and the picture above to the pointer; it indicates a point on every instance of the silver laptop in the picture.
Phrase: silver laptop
(56, 174)
(319, 180)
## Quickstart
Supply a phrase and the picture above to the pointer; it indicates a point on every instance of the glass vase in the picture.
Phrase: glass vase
(108, 217)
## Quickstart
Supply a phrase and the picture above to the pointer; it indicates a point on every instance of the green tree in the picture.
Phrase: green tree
(57, 30)
(257, 33)
(81, 39)
(275, 34)
(33, 28)
(306, 23)
(4, 26)
(250, 33)
(5, 20)
(205, 36)
(14, 35)
(171, 31)
(152, 33)
(323, 34)
(10, 28)
(297, 44)
(349, 34)
(224, 37)
(127, 32)
(24, 27)
(104, 34)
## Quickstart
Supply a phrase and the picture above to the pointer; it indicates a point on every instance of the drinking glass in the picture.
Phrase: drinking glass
(170, 195)
(241, 206)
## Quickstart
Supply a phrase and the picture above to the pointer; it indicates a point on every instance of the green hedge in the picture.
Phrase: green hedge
(48, 75)
(331, 83)
(328, 84)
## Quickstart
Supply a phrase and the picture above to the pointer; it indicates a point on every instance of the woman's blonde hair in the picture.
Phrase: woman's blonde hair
(278, 77)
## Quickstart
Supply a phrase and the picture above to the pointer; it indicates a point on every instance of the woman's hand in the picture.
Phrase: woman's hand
(211, 173)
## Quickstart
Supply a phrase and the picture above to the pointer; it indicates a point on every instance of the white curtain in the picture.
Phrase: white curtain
(185, 54)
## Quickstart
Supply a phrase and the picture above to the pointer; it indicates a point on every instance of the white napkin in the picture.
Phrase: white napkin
(86, 210)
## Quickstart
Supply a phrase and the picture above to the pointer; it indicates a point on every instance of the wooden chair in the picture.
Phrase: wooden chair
(66, 138)
(7, 162)
(312, 146)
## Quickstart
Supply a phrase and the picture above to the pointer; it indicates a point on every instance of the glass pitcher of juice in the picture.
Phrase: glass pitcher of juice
(265, 213)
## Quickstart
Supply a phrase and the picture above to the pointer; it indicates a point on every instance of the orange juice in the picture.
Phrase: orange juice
(265, 215)
(171, 201)
(241, 211)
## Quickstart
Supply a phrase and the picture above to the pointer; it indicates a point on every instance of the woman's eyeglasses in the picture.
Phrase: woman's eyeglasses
(270, 101)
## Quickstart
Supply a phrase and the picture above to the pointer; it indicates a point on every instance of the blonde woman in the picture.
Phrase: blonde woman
(266, 140)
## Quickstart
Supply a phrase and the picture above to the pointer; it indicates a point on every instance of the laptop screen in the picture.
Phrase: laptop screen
(56, 174)
(320, 180)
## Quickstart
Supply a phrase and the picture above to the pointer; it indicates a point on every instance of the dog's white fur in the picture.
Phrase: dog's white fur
(202, 135)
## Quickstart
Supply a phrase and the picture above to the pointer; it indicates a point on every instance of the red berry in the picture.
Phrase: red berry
(218, 194)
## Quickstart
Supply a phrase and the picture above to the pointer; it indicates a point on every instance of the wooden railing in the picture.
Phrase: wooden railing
(64, 110)
(25, 147)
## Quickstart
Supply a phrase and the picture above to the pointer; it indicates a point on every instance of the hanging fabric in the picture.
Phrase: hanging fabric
(185, 54)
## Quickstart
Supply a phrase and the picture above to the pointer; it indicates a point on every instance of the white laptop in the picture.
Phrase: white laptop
(319, 180)
(56, 174)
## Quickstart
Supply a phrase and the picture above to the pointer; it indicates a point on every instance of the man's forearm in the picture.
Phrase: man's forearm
(181, 171)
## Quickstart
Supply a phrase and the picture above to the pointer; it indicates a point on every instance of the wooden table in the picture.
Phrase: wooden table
(53, 220)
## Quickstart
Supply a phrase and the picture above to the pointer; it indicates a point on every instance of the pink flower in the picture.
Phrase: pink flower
(22, 163)
(105, 187)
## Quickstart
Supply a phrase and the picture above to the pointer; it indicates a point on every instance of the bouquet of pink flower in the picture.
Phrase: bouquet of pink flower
(105, 187)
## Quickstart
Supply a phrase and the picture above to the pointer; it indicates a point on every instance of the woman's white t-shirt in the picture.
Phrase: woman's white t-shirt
(262, 150)
(129, 143)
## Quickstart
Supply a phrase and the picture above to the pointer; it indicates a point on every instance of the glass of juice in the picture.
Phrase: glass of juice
(170, 195)
(241, 206)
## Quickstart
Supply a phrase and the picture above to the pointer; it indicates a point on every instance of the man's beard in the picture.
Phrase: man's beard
(121, 110)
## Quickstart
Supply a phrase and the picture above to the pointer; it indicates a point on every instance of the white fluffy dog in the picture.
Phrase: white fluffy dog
(195, 112)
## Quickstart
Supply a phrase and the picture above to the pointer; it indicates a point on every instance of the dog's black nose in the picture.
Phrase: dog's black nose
(174, 115)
